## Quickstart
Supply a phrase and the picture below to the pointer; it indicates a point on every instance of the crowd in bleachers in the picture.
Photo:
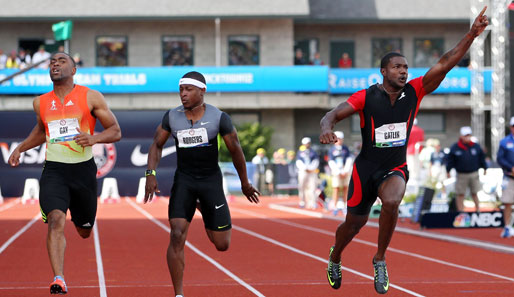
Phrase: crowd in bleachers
(22, 58)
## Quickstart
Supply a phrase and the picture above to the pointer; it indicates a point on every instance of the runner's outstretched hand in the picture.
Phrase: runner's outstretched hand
(480, 23)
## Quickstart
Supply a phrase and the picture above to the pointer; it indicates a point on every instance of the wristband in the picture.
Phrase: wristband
(150, 172)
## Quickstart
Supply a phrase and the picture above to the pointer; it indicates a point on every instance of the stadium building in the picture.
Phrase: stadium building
(156, 34)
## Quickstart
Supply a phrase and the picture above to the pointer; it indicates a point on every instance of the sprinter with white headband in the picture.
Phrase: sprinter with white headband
(195, 126)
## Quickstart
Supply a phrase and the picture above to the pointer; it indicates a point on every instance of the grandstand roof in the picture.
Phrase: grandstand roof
(340, 11)
(367, 11)
(151, 9)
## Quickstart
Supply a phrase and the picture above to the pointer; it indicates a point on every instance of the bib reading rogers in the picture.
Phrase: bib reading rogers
(192, 138)
(391, 135)
(63, 130)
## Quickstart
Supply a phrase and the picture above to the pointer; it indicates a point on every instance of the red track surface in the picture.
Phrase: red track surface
(274, 252)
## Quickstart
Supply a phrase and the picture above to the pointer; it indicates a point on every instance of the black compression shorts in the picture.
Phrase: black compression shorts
(70, 186)
(365, 181)
(187, 190)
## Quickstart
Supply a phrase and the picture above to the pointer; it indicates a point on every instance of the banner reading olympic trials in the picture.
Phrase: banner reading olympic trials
(230, 79)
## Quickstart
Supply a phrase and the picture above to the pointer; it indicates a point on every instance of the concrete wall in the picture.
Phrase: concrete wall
(145, 38)
(363, 34)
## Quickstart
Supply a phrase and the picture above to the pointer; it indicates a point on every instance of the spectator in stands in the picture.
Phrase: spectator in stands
(291, 167)
(3, 59)
(505, 158)
(261, 165)
(466, 157)
(340, 162)
(345, 61)
(279, 156)
(464, 62)
(437, 166)
(307, 162)
(41, 55)
(417, 136)
(11, 62)
(317, 59)
(78, 60)
(23, 59)
(299, 59)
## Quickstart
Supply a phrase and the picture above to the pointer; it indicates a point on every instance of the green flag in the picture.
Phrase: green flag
(62, 30)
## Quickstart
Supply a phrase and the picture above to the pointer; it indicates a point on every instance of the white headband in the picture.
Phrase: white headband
(192, 81)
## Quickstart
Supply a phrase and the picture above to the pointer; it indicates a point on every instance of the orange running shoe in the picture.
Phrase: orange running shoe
(58, 286)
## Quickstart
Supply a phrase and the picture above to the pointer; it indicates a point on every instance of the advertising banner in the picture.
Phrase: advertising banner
(165, 79)
(459, 220)
(124, 160)
(230, 79)
(348, 81)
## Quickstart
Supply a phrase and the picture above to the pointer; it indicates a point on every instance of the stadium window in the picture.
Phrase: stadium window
(177, 50)
(432, 122)
(382, 46)
(427, 51)
(243, 50)
(111, 51)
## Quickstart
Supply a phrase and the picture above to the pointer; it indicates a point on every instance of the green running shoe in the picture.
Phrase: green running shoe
(381, 277)
(333, 272)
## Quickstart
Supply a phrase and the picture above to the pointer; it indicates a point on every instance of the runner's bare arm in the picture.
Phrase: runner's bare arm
(238, 158)
(436, 74)
(99, 108)
(36, 137)
(331, 118)
(154, 157)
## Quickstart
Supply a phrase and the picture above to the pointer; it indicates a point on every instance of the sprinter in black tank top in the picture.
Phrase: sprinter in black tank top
(195, 127)
(387, 113)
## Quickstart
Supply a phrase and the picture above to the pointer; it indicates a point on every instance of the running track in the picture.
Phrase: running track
(276, 250)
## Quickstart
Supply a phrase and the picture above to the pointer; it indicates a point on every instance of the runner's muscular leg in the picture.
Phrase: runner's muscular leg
(221, 239)
(175, 253)
(391, 193)
(83, 232)
(55, 241)
(346, 232)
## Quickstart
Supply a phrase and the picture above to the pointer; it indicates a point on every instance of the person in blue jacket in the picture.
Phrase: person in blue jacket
(505, 158)
(466, 157)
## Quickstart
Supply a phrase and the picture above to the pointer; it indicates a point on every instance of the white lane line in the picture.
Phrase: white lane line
(431, 235)
(99, 262)
(288, 247)
(19, 233)
(200, 253)
(277, 283)
(9, 204)
(415, 255)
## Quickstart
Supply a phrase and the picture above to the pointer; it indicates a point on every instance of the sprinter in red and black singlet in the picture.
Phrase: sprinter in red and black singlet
(387, 113)
(385, 129)
(197, 128)
(66, 119)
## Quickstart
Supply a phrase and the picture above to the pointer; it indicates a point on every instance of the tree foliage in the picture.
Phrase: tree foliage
(251, 137)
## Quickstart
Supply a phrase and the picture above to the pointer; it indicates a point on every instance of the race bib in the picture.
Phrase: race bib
(192, 138)
(391, 135)
(63, 130)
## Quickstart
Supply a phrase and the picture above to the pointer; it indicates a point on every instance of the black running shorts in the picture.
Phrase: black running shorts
(70, 186)
(208, 191)
(366, 178)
